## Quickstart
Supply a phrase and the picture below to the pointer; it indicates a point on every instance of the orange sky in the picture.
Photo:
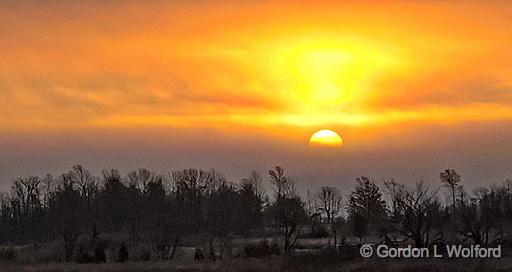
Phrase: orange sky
(281, 70)
(255, 63)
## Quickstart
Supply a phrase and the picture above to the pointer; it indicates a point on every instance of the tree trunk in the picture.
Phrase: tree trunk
(173, 252)
(333, 230)
(453, 197)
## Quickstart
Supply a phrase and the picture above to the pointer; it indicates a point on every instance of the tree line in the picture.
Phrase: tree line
(168, 209)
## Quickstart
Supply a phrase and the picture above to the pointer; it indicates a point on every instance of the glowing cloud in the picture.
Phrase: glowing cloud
(260, 65)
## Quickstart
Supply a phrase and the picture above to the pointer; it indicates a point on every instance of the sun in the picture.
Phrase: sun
(325, 138)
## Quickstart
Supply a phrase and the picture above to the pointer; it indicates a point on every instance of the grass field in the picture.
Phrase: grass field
(310, 257)
(276, 264)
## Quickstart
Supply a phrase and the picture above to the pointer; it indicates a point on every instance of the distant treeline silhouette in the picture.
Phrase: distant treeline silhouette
(167, 210)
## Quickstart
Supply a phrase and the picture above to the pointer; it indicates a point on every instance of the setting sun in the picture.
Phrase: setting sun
(325, 138)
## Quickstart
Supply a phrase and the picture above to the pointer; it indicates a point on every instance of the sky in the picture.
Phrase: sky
(412, 87)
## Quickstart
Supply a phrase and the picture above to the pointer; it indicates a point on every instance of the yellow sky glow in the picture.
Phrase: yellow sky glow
(259, 65)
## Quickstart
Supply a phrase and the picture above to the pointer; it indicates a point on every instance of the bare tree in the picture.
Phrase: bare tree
(485, 218)
(49, 188)
(287, 211)
(86, 183)
(450, 178)
(28, 192)
(415, 212)
(311, 203)
(330, 202)
(141, 179)
(284, 186)
(256, 182)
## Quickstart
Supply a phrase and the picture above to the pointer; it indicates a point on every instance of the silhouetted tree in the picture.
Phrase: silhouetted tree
(26, 204)
(484, 220)
(255, 182)
(288, 217)
(115, 202)
(201, 206)
(416, 212)
(85, 182)
(451, 179)
(141, 179)
(283, 186)
(365, 207)
(250, 204)
(330, 202)
(287, 211)
(67, 209)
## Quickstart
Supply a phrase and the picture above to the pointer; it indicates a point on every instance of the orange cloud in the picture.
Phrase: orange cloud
(261, 64)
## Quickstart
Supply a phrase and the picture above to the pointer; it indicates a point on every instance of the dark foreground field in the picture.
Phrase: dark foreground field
(313, 264)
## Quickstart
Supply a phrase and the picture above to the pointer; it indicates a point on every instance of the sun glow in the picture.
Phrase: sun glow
(329, 73)
(325, 138)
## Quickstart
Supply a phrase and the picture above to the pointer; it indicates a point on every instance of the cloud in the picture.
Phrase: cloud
(79, 64)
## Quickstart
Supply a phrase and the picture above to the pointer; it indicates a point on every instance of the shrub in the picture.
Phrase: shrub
(321, 232)
(82, 255)
(263, 249)
(198, 254)
(99, 254)
(7, 254)
(123, 254)
(140, 253)
(162, 251)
